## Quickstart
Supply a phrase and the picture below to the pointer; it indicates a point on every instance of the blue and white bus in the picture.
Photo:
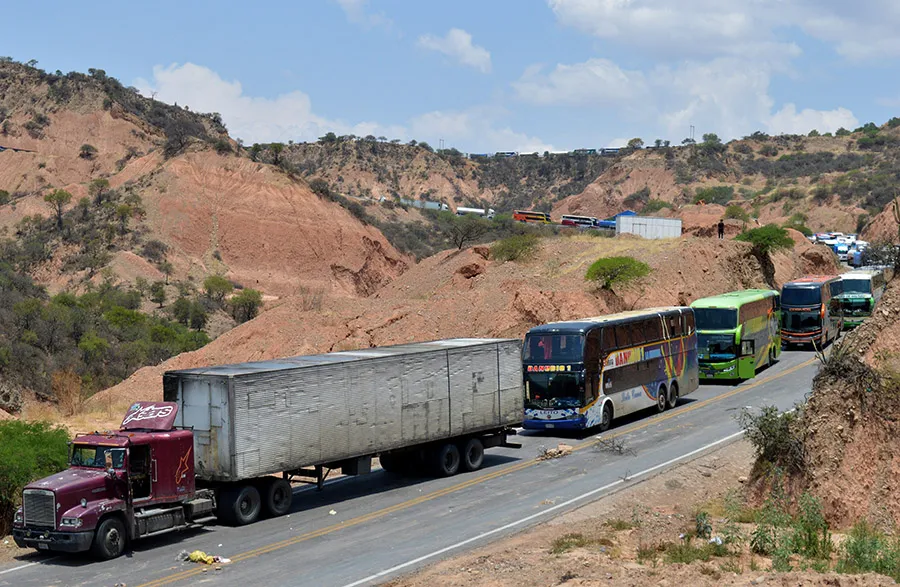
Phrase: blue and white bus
(584, 373)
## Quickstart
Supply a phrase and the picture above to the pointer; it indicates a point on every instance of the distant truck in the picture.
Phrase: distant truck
(487, 213)
(227, 441)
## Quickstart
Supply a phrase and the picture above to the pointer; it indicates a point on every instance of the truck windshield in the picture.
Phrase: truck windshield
(857, 286)
(715, 318)
(84, 455)
(554, 348)
(716, 347)
(801, 296)
(553, 390)
(801, 321)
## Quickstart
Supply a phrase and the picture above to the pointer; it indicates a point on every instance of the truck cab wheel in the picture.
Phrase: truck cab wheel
(240, 505)
(277, 496)
(472, 454)
(109, 541)
(446, 460)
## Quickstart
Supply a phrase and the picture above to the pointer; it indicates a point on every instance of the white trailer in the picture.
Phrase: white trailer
(649, 227)
(431, 405)
(462, 211)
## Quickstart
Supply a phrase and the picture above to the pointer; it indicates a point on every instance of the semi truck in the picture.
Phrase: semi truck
(226, 442)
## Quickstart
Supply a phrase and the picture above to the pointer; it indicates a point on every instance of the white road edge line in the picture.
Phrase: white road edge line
(551, 509)
(19, 568)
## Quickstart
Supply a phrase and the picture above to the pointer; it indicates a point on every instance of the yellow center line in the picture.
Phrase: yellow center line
(466, 484)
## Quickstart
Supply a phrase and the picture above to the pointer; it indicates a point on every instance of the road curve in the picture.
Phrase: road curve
(383, 526)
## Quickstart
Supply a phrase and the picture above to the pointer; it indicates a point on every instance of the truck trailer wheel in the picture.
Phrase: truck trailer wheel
(109, 541)
(239, 505)
(277, 496)
(446, 459)
(392, 463)
(472, 454)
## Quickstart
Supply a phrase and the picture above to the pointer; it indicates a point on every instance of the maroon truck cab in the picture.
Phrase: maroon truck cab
(120, 485)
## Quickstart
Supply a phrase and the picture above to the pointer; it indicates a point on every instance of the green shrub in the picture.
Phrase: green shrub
(515, 248)
(811, 537)
(567, 542)
(28, 451)
(720, 194)
(736, 212)
(635, 199)
(655, 206)
(868, 551)
(767, 239)
(774, 437)
(245, 305)
(611, 271)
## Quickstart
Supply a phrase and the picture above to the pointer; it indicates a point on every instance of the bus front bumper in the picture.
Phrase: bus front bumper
(726, 370)
(573, 424)
(853, 322)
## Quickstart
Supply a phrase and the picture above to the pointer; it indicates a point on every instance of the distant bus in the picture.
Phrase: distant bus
(737, 333)
(531, 216)
(861, 290)
(583, 373)
(580, 221)
(809, 312)
(505, 154)
(584, 152)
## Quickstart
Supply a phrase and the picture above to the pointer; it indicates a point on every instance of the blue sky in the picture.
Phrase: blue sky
(491, 75)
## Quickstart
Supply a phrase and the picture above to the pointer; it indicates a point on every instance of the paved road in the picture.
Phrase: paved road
(383, 526)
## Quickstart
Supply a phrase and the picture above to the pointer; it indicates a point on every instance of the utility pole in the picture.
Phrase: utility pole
(441, 142)
(692, 132)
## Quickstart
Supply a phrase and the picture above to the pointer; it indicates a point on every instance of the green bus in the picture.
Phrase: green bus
(737, 332)
(861, 290)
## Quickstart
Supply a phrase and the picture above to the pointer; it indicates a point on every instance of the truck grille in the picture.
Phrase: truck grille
(40, 508)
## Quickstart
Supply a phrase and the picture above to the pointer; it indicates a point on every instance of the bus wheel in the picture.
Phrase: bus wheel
(661, 399)
(673, 396)
(606, 417)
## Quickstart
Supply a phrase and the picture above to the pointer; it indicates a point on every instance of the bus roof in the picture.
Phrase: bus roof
(585, 323)
(812, 280)
(859, 273)
(734, 299)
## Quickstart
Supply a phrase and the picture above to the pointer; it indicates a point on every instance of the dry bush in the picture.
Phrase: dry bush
(66, 386)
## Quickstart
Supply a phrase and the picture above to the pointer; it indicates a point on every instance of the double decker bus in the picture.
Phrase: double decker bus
(532, 216)
(810, 314)
(860, 291)
(737, 333)
(583, 373)
(580, 221)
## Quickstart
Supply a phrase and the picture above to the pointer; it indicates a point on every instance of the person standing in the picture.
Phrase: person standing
(721, 229)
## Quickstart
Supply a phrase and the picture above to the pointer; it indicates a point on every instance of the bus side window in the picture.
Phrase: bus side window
(623, 336)
(608, 340)
(777, 302)
(638, 333)
(652, 328)
(674, 322)
(689, 323)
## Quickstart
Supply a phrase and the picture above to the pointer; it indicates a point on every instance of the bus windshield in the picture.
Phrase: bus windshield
(801, 296)
(716, 347)
(856, 307)
(554, 348)
(858, 286)
(715, 318)
(553, 390)
(801, 321)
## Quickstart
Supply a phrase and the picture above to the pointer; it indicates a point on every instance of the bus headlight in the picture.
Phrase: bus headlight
(71, 523)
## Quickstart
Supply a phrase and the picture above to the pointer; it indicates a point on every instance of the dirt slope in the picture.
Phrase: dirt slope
(463, 294)
(853, 441)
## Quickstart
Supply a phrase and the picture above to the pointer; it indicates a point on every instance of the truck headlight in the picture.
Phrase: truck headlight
(70, 523)
(19, 517)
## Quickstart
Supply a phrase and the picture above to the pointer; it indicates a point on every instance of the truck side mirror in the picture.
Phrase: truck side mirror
(111, 473)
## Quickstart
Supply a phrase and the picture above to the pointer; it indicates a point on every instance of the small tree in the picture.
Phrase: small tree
(245, 305)
(766, 240)
(123, 213)
(141, 285)
(608, 272)
(167, 270)
(158, 293)
(276, 149)
(88, 152)
(635, 143)
(515, 248)
(57, 200)
(217, 288)
(462, 230)
(97, 189)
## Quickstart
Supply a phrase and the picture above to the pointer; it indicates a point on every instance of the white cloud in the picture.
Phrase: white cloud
(476, 126)
(291, 116)
(789, 121)
(254, 119)
(356, 12)
(457, 44)
(594, 82)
